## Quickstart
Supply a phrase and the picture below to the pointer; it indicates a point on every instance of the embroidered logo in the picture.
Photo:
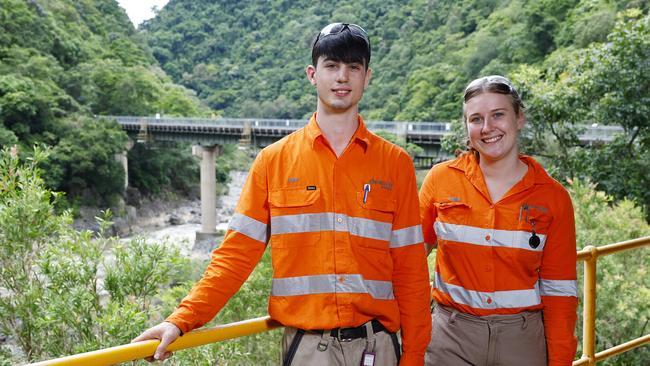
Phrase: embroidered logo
(381, 183)
(292, 180)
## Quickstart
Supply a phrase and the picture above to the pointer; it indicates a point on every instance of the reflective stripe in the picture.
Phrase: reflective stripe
(330, 284)
(366, 228)
(303, 223)
(250, 227)
(558, 287)
(330, 221)
(477, 236)
(407, 236)
(490, 300)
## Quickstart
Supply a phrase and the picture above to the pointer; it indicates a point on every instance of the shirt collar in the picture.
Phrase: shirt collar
(535, 175)
(361, 135)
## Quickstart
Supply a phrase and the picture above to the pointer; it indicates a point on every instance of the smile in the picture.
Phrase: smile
(341, 92)
(492, 139)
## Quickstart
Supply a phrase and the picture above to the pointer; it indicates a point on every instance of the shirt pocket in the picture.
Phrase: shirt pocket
(452, 212)
(375, 228)
(537, 221)
(294, 220)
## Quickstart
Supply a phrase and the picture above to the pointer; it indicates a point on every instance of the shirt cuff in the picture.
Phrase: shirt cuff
(411, 359)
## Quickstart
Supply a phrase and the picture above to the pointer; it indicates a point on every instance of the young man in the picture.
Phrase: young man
(340, 207)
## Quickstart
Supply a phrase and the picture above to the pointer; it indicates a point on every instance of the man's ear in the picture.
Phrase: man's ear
(310, 71)
(368, 77)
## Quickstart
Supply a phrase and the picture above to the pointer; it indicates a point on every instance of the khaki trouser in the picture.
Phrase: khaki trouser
(504, 340)
(321, 349)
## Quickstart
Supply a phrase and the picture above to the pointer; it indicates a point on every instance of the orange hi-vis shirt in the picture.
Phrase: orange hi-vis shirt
(487, 261)
(345, 235)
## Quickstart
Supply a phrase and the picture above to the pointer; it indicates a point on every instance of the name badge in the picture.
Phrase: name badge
(368, 359)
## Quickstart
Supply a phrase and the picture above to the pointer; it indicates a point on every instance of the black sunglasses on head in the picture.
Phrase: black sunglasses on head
(337, 28)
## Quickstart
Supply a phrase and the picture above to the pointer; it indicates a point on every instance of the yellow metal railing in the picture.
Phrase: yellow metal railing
(590, 255)
(140, 350)
(136, 351)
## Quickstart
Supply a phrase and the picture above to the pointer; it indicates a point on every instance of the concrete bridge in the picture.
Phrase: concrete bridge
(208, 134)
(261, 132)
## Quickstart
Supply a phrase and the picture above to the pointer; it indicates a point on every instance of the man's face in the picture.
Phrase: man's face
(339, 85)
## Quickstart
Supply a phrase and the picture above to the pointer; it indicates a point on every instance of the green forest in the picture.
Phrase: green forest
(64, 62)
(575, 62)
(247, 58)
(61, 63)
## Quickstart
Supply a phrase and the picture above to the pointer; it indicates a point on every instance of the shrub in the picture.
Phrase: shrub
(52, 300)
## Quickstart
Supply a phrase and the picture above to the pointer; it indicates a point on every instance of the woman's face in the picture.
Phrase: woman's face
(493, 126)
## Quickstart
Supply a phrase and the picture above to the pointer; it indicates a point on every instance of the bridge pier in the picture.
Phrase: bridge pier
(123, 159)
(205, 238)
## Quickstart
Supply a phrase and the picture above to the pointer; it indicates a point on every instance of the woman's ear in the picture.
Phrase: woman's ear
(521, 120)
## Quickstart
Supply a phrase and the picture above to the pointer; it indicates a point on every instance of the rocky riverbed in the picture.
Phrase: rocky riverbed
(177, 219)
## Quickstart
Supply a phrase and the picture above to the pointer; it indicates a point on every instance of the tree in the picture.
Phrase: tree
(62, 61)
(84, 158)
(605, 84)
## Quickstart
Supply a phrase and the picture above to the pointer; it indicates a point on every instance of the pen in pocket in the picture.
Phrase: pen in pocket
(366, 189)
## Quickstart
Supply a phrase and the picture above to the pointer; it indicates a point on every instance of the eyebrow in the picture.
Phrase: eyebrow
(491, 110)
(496, 109)
(328, 59)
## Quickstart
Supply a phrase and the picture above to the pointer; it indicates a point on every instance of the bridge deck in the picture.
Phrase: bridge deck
(224, 130)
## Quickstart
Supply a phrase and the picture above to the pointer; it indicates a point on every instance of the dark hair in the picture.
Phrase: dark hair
(342, 42)
(491, 84)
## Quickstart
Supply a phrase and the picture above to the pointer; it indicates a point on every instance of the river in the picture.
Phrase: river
(189, 216)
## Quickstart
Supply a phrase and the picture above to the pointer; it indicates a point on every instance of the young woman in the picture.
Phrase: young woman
(505, 276)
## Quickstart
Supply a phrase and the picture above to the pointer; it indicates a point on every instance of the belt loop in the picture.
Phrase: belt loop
(324, 341)
(370, 337)
(452, 317)
(525, 323)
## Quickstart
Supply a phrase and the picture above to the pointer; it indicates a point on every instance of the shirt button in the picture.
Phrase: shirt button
(489, 300)
(487, 237)
(341, 279)
(491, 206)
(339, 220)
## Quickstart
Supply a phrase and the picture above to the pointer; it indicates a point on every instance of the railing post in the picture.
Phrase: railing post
(589, 309)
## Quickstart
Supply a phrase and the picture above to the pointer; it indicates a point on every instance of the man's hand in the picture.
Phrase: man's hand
(165, 332)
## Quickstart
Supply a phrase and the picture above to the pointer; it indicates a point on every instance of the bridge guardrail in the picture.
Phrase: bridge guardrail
(423, 132)
(596, 132)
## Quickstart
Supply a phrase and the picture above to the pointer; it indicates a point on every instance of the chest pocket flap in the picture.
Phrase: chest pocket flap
(453, 212)
(376, 203)
(293, 197)
(294, 224)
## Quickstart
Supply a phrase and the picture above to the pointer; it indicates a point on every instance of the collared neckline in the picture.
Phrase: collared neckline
(468, 164)
(361, 135)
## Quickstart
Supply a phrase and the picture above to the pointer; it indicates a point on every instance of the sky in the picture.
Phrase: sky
(139, 10)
